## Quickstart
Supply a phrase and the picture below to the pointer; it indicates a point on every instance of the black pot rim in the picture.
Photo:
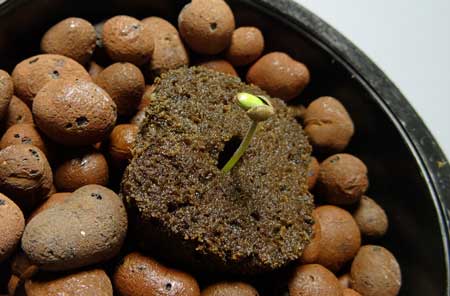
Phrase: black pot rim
(429, 156)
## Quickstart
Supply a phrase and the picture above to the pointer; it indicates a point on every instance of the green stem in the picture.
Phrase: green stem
(242, 148)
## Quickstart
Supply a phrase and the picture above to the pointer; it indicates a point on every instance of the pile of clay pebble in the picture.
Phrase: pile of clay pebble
(70, 116)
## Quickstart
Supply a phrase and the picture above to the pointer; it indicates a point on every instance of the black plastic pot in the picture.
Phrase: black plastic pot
(409, 174)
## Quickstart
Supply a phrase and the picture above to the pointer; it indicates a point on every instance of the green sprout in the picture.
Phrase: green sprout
(258, 108)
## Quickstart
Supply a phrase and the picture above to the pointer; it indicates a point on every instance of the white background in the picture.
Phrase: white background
(410, 41)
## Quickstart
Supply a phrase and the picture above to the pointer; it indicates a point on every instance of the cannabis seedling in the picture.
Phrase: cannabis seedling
(258, 108)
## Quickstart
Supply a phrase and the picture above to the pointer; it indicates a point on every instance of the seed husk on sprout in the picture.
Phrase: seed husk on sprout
(258, 109)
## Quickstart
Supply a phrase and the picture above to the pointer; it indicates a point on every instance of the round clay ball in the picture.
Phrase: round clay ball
(74, 112)
(169, 52)
(25, 174)
(328, 125)
(72, 37)
(230, 289)
(313, 173)
(94, 69)
(83, 283)
(30, 75)
(87, 228)
(371, 218)
(342, 179)
(345, 280)
(23, 133)
(279, 75)
(141, 275)
(18, 112)
(80, 169)
(350, 292)
(314, 280)
(125, 84)
(206, 26)
(54, 199)
(12, 223)
(220, 66)
(247, 45)
(375, 271)
(121, 142)
(340, 237)
(126, 39)
(6, 93)
(311, 251)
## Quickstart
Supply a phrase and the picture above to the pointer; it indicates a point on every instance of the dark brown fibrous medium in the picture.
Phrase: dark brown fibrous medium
(254, 219)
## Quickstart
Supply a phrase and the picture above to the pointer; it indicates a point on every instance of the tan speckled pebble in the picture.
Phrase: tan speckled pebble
(169, 52)
(18, 112)
(375, 271)
(121, 141)
(83, 283)
(279, 75)
(25, 174)
(328, 125)
(230, 289)
(139, 275)
(82, 168)
(350, 292)
(126, 39)
(206, 25)
(74, 112)
(87, 228)
(312, 250)
(342, 179)
(30, 75)
(219, 66)
(247, 45)
(23, 133)
(72, 37)
(340, 237)
(371, 218)
(12, 223)
(54, 199)
(125, 84)
(314, 280)
(6, 93)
